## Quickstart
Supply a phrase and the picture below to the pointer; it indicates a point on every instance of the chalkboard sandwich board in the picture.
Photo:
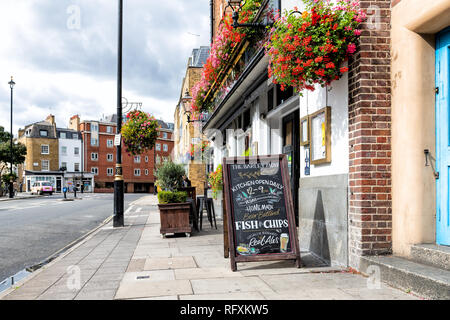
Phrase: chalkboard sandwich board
(259, 209)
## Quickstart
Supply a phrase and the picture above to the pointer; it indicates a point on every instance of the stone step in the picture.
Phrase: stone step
(423, 280)
(432, 254)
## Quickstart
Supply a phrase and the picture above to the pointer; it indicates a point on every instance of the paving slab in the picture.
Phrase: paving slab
(131, 290)
(169, 263)
(205, 273)
(96, 295)
(229, 285)
(225, 296)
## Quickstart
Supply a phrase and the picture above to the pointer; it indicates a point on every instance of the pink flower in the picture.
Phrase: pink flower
(357, 32)
(351, 48)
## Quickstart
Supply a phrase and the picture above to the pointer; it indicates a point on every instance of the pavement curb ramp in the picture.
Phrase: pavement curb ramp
(57, 256)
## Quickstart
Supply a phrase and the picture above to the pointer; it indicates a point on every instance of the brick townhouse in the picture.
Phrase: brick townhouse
(99, 155)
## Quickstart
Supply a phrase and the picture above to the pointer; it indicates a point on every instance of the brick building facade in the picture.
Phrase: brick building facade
(370, 207)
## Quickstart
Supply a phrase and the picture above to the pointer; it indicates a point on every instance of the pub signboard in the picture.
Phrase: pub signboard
(259, 208)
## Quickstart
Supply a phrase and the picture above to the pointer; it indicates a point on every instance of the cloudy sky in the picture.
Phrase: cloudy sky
(63, 56)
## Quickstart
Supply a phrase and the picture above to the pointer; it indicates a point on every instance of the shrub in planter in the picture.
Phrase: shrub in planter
(139, 132)
(165, 197)
(170, 176)
(311, 48)
(173, 208)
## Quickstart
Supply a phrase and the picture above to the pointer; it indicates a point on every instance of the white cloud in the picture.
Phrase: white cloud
(66, 72)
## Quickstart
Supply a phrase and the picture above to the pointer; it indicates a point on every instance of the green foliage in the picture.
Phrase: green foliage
(6, 177)
(170, 176)
(19, 151)
(165, 197)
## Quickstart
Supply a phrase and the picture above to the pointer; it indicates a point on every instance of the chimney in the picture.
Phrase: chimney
(74, 123)
(51, 119)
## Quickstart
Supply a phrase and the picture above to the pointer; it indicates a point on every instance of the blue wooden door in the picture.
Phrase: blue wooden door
(443, 137)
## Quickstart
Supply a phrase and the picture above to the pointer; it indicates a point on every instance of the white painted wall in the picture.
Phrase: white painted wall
(338, 101)
(70, 157)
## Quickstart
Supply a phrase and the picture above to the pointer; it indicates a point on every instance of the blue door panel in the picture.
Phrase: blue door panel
(443, 137)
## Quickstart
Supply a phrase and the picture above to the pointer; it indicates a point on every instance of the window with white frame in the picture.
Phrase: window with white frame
(158, 159)
(94, 156)
(146, 172)
(75, 136)
(110, 157)
(45, 165)
(76, 167)
(76, 151)
(94, 170)
(137, 159)
(158, 147)
(64, 165)
(109, 129)
(45, 149)
(137, 172)
(110, 171)
(62, 135)
(43, 133)
(165, 135)
(64, 151)
(94, 142)
(110, 143)
(165, 148)
(146, 159)
(94, 127)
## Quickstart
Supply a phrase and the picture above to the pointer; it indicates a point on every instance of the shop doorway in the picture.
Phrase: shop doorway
(291, 147)
(443, 137)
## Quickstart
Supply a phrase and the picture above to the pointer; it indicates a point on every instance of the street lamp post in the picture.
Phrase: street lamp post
(11, 180)
(118, 220)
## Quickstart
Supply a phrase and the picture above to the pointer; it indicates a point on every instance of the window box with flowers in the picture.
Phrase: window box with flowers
(311, 47)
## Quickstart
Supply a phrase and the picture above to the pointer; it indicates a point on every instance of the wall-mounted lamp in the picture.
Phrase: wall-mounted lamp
(186, 100)
(236, 6)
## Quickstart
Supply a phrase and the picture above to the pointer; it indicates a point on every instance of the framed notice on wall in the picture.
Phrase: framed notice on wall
(259, 210)
(320, 136)
(304, 131)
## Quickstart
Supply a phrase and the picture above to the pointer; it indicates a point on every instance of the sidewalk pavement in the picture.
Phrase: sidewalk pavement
(135, 262)
(20, 196)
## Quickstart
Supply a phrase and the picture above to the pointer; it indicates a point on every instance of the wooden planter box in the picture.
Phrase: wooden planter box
(175, 218)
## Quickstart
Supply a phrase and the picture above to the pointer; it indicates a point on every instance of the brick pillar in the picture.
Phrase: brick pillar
(370, 213)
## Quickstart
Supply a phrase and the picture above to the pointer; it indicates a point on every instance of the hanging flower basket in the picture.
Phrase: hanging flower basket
(139, 132)
(311, 47)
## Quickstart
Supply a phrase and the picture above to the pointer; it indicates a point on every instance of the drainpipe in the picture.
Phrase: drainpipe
(212, 20)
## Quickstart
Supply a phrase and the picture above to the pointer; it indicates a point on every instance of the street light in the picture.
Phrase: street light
(11, 179)
(118, 220)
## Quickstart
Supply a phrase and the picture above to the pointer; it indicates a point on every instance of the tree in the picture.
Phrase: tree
(19, 151)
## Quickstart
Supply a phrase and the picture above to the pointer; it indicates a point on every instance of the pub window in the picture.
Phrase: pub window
(246, 123)
(283, 96)
(270, 100)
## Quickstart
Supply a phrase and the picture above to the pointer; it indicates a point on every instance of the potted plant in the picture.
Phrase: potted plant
(215, 181)
(173, 208)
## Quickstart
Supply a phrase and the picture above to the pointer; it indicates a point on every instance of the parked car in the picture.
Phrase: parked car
(41, 188)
